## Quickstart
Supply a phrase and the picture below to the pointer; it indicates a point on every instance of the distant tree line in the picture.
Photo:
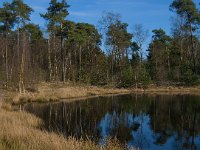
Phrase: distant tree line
(79, 52)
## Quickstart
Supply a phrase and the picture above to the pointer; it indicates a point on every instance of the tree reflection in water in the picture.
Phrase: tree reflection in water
(142, 121)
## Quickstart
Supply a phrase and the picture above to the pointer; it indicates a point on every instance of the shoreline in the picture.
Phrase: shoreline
(69, 93)
(169, 90)
(22, 130)
(60, 92)
(29, 126)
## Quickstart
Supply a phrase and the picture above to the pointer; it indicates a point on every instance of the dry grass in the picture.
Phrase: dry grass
(55, 92)
(46, 92)
(169, 90)
(21, 131)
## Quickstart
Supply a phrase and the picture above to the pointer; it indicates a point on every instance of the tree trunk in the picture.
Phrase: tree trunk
(62, 56)
(75, 65)
(70, 65)
(6, 58)
(18, 61)
(136, 84)
(141, 58)
(23, 63)
(55, 59)
(49, 59)
(112, 65)
(168, 62)
(80, 62)
(193, 54)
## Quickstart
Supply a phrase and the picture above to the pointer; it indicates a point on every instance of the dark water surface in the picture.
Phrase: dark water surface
(147, 122)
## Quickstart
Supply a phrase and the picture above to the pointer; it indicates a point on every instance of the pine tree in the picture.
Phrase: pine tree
(7, 19)
(187, 10)
(22, 15)
(56, 14)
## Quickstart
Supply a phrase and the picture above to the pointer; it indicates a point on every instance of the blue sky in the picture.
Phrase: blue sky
(153, 14)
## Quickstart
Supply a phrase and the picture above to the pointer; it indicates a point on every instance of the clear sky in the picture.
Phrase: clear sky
(153, 14)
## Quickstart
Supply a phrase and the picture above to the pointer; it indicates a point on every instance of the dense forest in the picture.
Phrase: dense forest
(107, 54)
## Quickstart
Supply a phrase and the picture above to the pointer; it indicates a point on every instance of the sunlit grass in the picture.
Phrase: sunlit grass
(54, 92)
(22, 131)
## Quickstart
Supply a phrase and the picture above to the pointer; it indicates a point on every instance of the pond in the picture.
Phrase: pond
(149, 122)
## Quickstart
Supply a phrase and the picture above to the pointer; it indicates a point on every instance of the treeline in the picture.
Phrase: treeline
(79, 52)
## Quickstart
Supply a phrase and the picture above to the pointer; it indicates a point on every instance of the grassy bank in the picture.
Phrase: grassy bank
(195, 90)
(21, 131)
(54, 92)
(46, 92)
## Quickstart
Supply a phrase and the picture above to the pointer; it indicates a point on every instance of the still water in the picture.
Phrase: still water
(149, 122)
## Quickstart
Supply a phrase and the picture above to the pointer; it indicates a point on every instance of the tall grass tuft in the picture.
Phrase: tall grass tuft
(22, 131)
